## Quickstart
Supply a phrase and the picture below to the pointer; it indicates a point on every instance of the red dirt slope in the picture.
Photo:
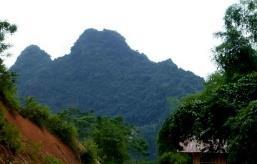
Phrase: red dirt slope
(50, 144)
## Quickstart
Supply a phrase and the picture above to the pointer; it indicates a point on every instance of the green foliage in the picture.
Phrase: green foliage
(7, 87)
(9, 135)
(205, 115)
(51, 160)
(64, 130)
(114, 139)
(5, 28)
(141, 161)
(33, 149)
(171, 132)
(91, 155)
(237, 55)
(225, 112)
(84, 122)
(242, 141)
(174, 158)
(41, 115)
(36, 112)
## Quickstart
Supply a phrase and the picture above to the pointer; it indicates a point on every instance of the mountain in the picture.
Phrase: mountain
(103, 74)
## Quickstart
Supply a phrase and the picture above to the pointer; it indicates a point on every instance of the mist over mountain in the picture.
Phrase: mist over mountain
(103, 74)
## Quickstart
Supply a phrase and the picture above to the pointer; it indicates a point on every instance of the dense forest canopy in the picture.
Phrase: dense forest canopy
(224, 114)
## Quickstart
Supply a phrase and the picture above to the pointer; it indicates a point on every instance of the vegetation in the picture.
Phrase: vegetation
(51, 160)
(109, 140)
(91, 154)
(174, 158)
(7, 87)
(225, 112)
(36, 112)
(42, 116)
(9, 135)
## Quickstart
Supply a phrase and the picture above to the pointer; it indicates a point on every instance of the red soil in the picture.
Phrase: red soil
(50, 144)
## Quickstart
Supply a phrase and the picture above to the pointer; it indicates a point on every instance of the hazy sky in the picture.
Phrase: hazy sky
(178, 29)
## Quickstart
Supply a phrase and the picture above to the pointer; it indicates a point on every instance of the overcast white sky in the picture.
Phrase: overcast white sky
(178, 29)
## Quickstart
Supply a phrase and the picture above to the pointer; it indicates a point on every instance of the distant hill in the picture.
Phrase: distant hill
(103, 74)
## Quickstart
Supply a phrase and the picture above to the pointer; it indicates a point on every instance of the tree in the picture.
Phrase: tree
(7, 87)
(5, 28)
(224, 113)
(242, 143)
(237, 53)
(115, 141)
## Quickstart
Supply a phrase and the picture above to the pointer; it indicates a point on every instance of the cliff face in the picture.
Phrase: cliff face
(38, 143)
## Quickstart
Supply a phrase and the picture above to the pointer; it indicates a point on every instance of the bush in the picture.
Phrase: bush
(51, 160)
(64, 130)
(91, 155)
(9, 135)
(11, 99)
(7, 87)
(174, 158)
(116, 141)
(40, 115)
(32, 149)
(36, 112)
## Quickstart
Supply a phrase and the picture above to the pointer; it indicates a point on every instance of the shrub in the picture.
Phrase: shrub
(35, 112)
(32, 149)
(174, 158)
(91, 155)
(11, 99)
(64, 130)
(7, 87)
(41, 115)
(51, 160)
(9, 135)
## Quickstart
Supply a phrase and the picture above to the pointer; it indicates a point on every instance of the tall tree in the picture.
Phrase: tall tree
(225, 112)
(237, 53)
(5, 29)
(7, 87)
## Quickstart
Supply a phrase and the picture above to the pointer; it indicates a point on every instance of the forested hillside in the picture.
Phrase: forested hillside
(103, 74)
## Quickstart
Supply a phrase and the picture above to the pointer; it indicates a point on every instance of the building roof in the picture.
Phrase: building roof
(195, 146)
